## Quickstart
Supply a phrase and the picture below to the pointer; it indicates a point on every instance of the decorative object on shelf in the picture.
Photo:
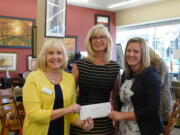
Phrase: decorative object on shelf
(12, 58)
(16, 32)
(55, 18)
(70, 43)
(103, 19)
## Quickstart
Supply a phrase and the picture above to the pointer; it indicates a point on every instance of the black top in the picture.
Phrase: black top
(96, 81)
(95, 84)
(146, 101)
(56, 126)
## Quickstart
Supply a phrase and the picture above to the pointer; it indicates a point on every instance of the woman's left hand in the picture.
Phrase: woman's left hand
(115, 116)
(87, 124)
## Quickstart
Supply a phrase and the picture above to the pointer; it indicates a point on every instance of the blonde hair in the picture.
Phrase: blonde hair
(55, 43)
(155, 58)
(93, 31)
(145, 56)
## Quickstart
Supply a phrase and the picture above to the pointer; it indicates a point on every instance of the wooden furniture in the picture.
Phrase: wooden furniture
(11, 118)
(175, 87)
(173, 117)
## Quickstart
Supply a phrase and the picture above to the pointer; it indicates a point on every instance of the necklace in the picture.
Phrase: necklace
(54, 78)
(52, 81)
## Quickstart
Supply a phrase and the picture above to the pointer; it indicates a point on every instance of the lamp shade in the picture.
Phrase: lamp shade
(176, 54)
(5, 62)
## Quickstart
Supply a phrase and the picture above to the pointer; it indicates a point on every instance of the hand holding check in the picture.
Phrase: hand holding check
(95, 110)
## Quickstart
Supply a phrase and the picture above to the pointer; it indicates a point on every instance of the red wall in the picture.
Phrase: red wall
(79, 20)
(23, 9)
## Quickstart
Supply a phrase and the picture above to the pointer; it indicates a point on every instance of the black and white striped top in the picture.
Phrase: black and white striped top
(96, 81)
(95, 85)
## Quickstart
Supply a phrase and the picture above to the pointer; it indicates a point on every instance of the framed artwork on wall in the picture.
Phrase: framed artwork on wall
(103, 19)
(55, 25)
(16, 32)
(32, 63)
(29, 62)
(34, 40)
(8, 61)
(70, 43)
(119, 55)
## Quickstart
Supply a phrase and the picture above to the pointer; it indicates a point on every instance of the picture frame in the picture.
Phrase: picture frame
(55, 19)
(34, 40)
(32, 63)
(16, 32)
(120, 55)
(103, 19)
(70, 43)
(12, 58)
(29, 62)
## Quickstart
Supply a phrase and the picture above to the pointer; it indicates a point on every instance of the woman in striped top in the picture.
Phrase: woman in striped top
(97, 76)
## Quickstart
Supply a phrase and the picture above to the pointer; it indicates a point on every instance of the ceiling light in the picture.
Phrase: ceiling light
(77, 0)
(122, 3)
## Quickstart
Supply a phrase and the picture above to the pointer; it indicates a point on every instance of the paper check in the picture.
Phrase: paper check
(95, 110)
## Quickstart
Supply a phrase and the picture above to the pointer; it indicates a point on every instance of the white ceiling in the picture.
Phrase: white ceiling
(103, 4)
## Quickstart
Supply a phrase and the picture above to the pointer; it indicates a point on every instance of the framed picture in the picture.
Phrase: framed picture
(70, 43)
(34, 40)
(29, 62)
(16, 32)
(120, 55)
(32, 63)
(55, 18)
(8, 61)
(103, 19)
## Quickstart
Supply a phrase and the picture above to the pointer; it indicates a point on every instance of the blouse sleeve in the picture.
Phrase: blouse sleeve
(73, 116)
(152, 87)
(31, 101)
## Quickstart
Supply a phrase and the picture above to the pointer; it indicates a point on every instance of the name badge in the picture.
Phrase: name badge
(48, 91)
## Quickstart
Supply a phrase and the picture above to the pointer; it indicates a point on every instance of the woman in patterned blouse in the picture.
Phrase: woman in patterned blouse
(166, 97)
(139, 93)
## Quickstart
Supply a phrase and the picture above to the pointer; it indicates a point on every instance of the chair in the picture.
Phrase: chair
(173, 117)
(11, 118)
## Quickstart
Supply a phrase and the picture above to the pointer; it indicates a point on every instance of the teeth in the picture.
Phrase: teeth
(99, 45)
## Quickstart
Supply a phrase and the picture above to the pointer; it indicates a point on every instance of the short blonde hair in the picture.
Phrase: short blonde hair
(145, 56)
(92, 32)
(56, 43)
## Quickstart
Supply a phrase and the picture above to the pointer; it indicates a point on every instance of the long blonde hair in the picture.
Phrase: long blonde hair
(145, 56)
(155, 58)
(93, 31)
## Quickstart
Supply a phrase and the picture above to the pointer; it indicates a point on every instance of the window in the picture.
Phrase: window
(164, 37)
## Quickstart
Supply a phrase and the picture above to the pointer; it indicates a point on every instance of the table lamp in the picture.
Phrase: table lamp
(6, 81)
(6, 63)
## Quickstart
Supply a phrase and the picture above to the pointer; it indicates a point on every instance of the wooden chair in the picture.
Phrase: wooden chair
(11, 118)
(173, 117)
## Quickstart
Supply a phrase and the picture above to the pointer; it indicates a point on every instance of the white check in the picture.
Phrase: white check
(95, 110)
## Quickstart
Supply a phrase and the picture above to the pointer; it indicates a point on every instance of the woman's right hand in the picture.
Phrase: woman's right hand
(74, 108)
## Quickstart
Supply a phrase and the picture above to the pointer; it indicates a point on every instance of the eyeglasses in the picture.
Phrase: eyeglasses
(100, 38)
